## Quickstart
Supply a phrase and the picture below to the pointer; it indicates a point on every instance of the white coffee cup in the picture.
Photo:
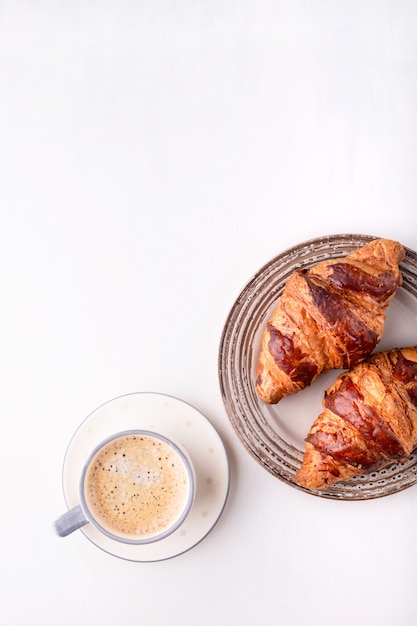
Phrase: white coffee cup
(136, 487)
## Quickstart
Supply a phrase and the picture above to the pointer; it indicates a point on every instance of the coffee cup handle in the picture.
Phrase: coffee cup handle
(70, 521)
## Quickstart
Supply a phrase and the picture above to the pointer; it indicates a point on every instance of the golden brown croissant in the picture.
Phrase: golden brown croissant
(369, 420)
(330, 316)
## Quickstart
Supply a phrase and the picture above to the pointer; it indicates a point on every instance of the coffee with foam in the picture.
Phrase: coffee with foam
(137, 486)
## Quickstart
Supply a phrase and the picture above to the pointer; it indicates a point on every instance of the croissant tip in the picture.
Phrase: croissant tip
(269, 398)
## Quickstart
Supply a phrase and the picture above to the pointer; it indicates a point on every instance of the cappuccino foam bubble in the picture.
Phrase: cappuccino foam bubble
(136, 486)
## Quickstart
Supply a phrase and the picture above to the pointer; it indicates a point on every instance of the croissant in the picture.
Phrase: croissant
(330, 316)
(369, 420)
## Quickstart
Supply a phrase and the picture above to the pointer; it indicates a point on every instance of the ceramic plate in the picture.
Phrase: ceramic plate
(183, 423)
(274, 434)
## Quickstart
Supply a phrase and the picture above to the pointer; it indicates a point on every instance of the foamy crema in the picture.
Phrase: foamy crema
(138, 487)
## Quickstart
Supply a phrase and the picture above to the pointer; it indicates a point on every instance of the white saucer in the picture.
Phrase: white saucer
(174, 418)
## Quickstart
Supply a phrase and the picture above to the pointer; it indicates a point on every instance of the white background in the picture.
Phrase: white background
(153, 156)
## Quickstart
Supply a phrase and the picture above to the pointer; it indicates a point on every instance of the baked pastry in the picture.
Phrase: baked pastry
(369, 420)
(330, 316)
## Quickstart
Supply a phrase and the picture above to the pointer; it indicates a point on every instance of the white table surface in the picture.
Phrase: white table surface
(153, 156)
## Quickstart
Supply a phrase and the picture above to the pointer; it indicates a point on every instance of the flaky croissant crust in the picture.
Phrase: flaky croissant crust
(369, 420)
(330, 316)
